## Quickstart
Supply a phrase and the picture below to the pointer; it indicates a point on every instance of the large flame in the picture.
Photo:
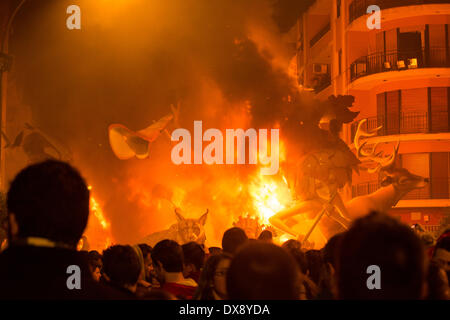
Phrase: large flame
(269, 195)
(98, 213)
(98, 231)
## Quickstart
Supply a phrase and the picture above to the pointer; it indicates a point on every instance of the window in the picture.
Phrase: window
(414, 110)
(393, 112)
(437, 45)
(439, 109)
(439, 175)
(435, 166)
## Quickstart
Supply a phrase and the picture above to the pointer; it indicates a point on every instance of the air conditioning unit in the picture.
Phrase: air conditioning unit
(320, 68)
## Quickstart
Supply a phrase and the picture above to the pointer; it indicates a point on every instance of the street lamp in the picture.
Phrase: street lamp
(5, 66)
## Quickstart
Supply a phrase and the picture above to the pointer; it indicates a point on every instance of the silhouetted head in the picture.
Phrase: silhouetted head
(168, 255)
(121, 265)
(292, 244)
(266, 235)
(378, 241)
(49, 200)
(194, 255)
(212, 282)
(232, 239)
(214, 250)
(262, 271)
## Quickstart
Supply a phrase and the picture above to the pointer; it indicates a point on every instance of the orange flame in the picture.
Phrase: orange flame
(98, 213)
(98, 231)
(269, 196)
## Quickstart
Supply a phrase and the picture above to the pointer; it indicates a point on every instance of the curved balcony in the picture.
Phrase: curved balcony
(358, 8)
(399, 61)
(404, 123)
(438, 188)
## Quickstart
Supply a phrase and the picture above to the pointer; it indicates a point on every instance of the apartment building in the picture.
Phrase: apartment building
(400, 78)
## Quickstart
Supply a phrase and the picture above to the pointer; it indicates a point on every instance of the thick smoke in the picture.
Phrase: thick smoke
(226, 62)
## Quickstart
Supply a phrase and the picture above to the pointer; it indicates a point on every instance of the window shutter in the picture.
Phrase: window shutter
(392, 112)
(439, 109)
(414, 110)
(437, 43)
(439, 175)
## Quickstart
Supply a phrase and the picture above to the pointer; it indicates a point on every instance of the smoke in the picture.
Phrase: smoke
(226, 62)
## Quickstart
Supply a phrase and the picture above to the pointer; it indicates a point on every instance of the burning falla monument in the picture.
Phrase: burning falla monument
(327, 168)
(304, 200)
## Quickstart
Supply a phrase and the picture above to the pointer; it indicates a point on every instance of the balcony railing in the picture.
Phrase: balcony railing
(412, 122)
(358, 8)
(438, 188)
(399, 60)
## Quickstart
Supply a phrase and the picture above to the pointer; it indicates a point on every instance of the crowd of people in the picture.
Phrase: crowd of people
(48, 209)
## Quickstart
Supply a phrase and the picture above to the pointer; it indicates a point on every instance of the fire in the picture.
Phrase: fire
(269, 195)
(98, 231)
(98, 213)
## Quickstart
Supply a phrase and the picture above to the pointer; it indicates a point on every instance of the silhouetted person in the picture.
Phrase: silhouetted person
(380, 240)
(95, 264)
(194, 258)
(214, 250)
(232, 239)
(314, 262)
(266, 235)
(262, 271)
(308, 289)
(146, 251)
(145, 280)
(212, 283)
(441, 253)
(330, 251)
(122, 267)
(438, 287)
(291, 243)
(321, 273)
(48, 209)
(167, 257)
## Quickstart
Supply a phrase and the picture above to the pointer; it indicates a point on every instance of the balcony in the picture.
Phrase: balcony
(358, 8)
(399, 61)
(438, 188)
(412, 122)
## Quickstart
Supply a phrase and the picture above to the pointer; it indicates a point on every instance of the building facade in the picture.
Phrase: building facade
(399, 75)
